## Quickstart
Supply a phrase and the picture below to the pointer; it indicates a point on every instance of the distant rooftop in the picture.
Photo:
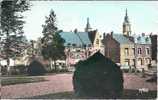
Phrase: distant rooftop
(76, 38)
(122, 39)
(142, 39)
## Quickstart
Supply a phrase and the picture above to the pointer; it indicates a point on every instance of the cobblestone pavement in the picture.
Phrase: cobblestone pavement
(61, 83)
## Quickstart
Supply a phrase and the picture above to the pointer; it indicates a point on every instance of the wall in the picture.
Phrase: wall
(123, 56)
(97, 41)
(112, 48)
(143, 56)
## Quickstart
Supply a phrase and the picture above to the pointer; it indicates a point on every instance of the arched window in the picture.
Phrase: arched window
(140, 61)
(139, 51)
(97, 41)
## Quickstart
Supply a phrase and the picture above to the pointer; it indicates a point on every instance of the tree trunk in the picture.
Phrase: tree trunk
(55, 65)
(7, 53)
(8, 66)
(51, 64)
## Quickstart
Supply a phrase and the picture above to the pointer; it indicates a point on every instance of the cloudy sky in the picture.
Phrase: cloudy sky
(105, 16)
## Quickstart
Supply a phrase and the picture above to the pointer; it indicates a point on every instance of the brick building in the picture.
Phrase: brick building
(127, 50)
(119, 49)
(77, 46)
(154, 41)
(142, 51)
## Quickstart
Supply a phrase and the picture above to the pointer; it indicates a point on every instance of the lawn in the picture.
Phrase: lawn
(128, 94)
(20, 80)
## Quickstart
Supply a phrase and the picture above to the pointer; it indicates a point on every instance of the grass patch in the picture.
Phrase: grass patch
(128, 94)
(20, 80)
(62, 95)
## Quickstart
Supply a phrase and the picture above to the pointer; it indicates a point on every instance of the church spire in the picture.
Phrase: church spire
(126, 12)
(88, 27)
(126, 25)
(126, 19)
(88, 20)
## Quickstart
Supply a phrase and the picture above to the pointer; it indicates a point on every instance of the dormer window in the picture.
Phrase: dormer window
(126, 51)
(139, 38)
(147, 39)
(147, 51)
(139, 51)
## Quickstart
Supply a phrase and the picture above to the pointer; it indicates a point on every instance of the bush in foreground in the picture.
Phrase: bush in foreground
(19, 70)
(98, 76)
(36, 68)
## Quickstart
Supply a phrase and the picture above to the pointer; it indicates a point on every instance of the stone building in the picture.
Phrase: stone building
(142, 51)
(88, 27)
(154, 53)
(95, 37)
(96, 40)
(120, 49)
(127, 50)
(126, 25)
(77, 46)
(154, 46)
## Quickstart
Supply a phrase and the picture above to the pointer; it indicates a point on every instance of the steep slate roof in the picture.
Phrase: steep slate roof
(122, 39)
(142, 39)
(74, 38)
(92, 35)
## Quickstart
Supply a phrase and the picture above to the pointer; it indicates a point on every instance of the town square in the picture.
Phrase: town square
(78, 49)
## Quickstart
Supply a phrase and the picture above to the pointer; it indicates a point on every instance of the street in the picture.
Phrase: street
(63, 83)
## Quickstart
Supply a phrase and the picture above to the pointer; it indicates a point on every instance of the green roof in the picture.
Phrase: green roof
(75, 38)
(142, 39)
(120, 38)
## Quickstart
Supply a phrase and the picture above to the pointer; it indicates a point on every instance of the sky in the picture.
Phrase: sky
(105, 16)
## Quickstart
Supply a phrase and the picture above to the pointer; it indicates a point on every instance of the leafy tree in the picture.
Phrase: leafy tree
(98, 77)
(12, 27)
(53, 44)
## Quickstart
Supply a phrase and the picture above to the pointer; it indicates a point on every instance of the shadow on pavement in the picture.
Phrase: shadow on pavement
(128, 94)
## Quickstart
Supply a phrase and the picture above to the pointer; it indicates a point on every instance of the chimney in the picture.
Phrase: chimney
(143, 34)
(75, 31)
(151, 34)
(111, 33)
(104, 35)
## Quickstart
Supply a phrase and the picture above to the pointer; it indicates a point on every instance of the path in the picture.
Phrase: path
(55, 83)
(63, 82)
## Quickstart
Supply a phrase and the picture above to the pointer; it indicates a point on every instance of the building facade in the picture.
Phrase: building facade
(88, 27)
(143, 51)
(77, 46)
(119, 49)
(154, 46)
(126, 25)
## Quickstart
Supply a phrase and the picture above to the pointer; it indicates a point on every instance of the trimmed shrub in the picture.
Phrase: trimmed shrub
(36, 68)
(152, 79)
(3, 70)
(98, 76)
(19, 70)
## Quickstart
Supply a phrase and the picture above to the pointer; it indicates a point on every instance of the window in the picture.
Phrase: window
(139, 51)
(97, 41)
(133, 49)
(147, 51)
(148, 61)
(126, 51)
(133, 62)
(140, 61)
(127, 62)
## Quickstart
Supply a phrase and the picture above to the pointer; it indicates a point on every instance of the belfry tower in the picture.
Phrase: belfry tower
(88, 27)
(126, 26)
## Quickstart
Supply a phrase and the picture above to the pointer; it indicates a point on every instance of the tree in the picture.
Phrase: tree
(98, 77)
(12, 27)
(53, 45)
